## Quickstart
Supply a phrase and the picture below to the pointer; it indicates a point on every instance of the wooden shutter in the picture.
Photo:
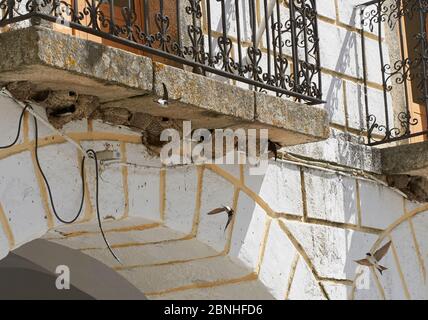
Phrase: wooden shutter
(416, 101)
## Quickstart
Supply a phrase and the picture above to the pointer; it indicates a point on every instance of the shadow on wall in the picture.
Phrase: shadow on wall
(21, 280)
(334, 97)
(30, 273)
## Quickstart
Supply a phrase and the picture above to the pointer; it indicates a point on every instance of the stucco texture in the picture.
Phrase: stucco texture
(295, 234)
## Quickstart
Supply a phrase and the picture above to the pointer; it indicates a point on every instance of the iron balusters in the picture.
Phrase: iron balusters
(405, 22)
(271, 45)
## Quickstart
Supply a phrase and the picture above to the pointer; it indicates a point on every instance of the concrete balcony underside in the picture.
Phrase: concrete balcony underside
(51, 60)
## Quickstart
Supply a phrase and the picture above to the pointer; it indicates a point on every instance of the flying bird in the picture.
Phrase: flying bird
(164, 101)
(373, 260)
(230, 212)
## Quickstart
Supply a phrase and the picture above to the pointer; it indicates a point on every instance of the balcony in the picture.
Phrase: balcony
(223, 65)
(400, 30)
(398, 120)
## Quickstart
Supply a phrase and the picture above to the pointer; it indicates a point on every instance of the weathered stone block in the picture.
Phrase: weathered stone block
(339, 49)
(8, 129)
(197, 90)
(303, 122)
(285, 180)
(62, 168)
(276, 268)
(248, 232)
(157, 253)
(332, 250)
(158, 278)
(111, 190)
(340, 150)
(304, 285)
(211, 228)
(143, 184)
(179, 211)
(331, 197)
(21, 198)
(380, 206)
(413, 275)
(53, 60)
(411, 159)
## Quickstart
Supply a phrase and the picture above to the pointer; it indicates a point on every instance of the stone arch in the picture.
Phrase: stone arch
(164, 209)
(413, 244)
(42, 257)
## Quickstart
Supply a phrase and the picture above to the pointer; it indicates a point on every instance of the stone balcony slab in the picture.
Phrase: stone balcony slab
(51, 60)
(56, 61)
(286, 118)
(409, 159)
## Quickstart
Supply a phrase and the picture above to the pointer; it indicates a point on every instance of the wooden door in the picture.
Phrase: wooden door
(74, 32)
(145, 21)
(139, 7)
(122, 11)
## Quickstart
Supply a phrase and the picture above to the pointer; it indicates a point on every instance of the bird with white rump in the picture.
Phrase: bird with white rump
(372, 260)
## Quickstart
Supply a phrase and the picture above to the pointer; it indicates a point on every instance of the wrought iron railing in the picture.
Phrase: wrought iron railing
(277, 52)
(400, 27)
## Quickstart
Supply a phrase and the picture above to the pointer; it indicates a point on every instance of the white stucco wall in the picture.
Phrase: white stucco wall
(298, 229)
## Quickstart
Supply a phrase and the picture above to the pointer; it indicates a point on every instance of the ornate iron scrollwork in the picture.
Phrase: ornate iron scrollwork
(380, 133)
(409, 72)
(262, 63)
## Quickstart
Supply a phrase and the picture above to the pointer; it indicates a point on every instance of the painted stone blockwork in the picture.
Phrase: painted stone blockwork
(295, 235)
(296, 231)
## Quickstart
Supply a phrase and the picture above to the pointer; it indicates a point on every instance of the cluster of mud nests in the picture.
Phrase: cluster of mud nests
(63, 107)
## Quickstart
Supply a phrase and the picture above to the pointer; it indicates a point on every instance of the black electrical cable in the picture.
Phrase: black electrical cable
(82, 174)
(21, 117)
(19, 129)
(91, 153)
